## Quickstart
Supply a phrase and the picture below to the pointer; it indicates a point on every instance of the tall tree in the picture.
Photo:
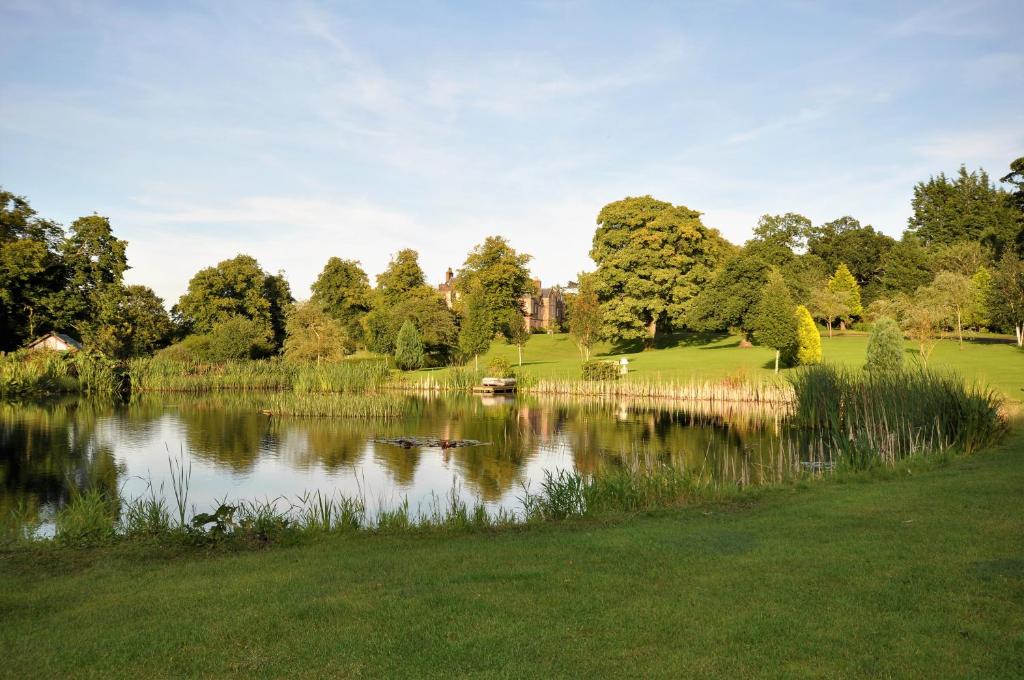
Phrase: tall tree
(789, 231)
(29, 271)
(313, 335)
(1007, 295)
(652, 258)
(402, 275)
(981, 282)
(235, 288)
(585, 318)
(476, 333)
(906, 267)
(500, 275)
(843, 285)
(729, 300)
(127, 322)
(861, 248)
(829, 306)
(955, 292)
(93, 259)
(428, 312)
(775, 323)
(343, 291)
(409, 348)
(968, 207)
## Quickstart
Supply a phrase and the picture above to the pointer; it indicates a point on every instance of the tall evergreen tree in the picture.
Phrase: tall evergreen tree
(775, 322)
(845, 287)
(409, 348)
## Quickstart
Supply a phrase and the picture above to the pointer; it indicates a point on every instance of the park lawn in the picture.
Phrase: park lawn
(710, 357)
(907, 575)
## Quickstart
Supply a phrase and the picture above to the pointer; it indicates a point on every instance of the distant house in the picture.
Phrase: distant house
(57, 342)
(543, 309)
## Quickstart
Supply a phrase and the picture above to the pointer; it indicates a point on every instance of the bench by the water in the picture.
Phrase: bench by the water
(496, 386)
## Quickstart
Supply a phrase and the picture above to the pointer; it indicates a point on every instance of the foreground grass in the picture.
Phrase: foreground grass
(709, 357)
(913, 575)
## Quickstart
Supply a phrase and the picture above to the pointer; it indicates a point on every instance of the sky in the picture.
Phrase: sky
(299, 131)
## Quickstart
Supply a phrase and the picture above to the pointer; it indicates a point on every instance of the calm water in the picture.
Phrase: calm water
(46, 449)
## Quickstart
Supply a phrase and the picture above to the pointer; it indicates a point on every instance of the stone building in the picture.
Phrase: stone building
(543, 309)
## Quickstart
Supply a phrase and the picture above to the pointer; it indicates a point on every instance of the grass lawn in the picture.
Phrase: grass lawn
(709, 357)
(915, 575)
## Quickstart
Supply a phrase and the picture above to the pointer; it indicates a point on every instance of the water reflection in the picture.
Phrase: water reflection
(47, 449)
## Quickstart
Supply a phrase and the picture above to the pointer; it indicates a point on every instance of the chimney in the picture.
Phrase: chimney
(448, 275)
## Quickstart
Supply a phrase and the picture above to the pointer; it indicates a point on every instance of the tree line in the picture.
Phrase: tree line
(659, 269)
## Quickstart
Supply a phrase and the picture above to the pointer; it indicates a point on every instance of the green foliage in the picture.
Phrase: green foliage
(885, 347)
(808, 339)
(128, 322)
(966, 208)
(238, 337)
(981, 282)
(906, 267)
(36, 373)
(846, 288)
(600, 370)
(314, 336)
(652, 258)
(1006, 295)
(729, 300)
(89, 518)
(476, 332)
(500, 368)
(343, 291)
(236, 288)
(829, 306)
(585, 316)
(955, 293)
(498, 274)
(785, 232)
(92, 259)
(861, 248)
(879, 417)
(409, 353)
(426, 309)
(774, 319)
(402, 275)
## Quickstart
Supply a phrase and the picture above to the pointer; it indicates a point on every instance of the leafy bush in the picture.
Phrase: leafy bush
(885, 347)
(600, 370)
(499, 368)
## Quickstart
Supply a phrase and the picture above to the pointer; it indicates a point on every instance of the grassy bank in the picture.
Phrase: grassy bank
(707, 358)
(913, 575)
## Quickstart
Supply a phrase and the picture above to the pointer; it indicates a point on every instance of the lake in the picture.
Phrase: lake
(234, 452)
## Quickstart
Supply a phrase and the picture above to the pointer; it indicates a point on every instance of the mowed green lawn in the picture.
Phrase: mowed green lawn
(707, 357)
(913, 576)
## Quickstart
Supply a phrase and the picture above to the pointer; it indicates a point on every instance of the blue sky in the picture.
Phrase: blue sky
(295, 132)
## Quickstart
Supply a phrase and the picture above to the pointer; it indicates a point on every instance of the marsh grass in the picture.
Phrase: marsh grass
(332, 405)
(25, 373)
(164, 375)
(869, 419)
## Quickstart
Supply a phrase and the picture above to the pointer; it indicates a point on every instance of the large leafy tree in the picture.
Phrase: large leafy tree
(787, 232)
(343, 291)
(861, 248)
(128, 321)
(728, 301)
(906, 267)
(92, 260)
(402, 295)
(235, 288)
(652, 259)
(500, 276)
(29, 271)
(955, 293)
(402, 275)
(312, 335)
(967, 207)
(476, 333)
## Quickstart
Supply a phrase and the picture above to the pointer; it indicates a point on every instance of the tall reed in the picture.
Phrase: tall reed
(870, 418)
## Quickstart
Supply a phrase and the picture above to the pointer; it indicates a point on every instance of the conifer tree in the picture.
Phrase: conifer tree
(846, 287)
(808, 339)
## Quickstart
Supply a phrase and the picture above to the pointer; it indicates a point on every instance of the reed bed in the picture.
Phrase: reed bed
(331, 405)
(163, 375)
(42, 372)
(868, 418)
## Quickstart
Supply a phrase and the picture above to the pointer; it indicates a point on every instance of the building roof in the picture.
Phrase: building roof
(66, 339)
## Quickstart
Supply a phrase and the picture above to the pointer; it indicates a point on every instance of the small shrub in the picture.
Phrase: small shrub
(808, 349)
(409, 353)
(499, 368)
(885, 347)
(600, 370)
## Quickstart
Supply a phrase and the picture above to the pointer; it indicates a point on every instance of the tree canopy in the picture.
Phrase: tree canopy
(652, 259)
(499, 275)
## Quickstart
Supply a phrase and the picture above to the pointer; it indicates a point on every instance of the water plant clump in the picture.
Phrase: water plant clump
(165, 375)
(880, 417)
